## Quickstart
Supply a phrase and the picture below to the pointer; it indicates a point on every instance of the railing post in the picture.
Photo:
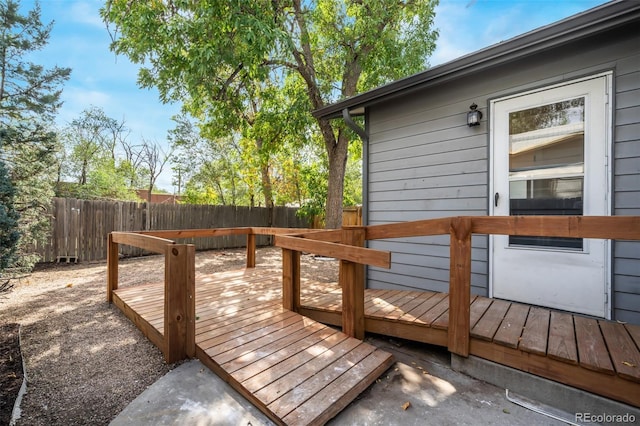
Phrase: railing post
(460, 286)
(112, 267)
(179, 302)
(251, 250)
(352, 282)
(291, 279)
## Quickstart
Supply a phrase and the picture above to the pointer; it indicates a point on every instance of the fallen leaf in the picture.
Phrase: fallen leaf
(628, 364)
(406, 405)
(504, 410)
(70, 285)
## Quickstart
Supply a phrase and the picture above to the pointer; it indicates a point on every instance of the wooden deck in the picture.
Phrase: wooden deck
(598, 356)
(240, 314)
(287, 364)
(296, 370)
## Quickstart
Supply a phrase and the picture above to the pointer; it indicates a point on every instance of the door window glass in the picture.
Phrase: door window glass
(546, 166)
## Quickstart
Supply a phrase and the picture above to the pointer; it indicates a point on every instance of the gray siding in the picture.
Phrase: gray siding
(424, 162)
(626, 194)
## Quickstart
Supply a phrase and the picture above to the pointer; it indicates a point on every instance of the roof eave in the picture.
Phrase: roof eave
(593, 21)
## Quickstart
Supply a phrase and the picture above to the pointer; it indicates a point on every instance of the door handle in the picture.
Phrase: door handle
(496, 197)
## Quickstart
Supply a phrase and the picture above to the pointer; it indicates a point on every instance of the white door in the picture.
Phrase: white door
(549, 157)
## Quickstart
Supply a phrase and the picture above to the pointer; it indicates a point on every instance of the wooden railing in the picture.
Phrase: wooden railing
(346, 244)
(178, 340)
(352, 256)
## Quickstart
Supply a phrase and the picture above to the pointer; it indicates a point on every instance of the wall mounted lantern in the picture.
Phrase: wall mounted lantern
(473, 116)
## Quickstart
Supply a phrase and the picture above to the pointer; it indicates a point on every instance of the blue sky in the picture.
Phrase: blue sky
(79, 40)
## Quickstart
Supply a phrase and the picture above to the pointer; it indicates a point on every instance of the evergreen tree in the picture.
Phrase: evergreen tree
(29, 99)
(9, 234)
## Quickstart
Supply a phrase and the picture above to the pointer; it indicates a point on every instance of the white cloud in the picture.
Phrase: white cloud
(455, 39)
(86, 12)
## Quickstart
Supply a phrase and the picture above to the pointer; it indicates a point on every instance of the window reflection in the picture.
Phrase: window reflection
(546, 166)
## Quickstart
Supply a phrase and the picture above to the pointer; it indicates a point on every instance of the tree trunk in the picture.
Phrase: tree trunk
(266, 185)
(267, 190)
(337, 153)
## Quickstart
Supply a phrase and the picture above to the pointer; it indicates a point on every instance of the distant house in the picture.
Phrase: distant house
(158, 198)
(559, 134)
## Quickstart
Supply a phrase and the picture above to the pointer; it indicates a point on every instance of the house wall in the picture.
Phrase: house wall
(424, 162)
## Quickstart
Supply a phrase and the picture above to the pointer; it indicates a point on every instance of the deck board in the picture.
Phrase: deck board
(414, 314)
(247, 366)
(289, 368)
(623, 350)
(435, 312)
(536, 331)
(477, 310)
(320, 406)
(562, 338)
(511, 328)
(634, 332)
(487, 326)
(310, 363)
(592, 351)
(285, 404)
(278, 359)
(418, 299)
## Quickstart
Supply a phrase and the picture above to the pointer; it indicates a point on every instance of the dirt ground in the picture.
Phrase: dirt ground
(85, 361)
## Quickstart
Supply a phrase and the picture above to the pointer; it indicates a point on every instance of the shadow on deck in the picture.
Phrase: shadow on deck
(294, 369)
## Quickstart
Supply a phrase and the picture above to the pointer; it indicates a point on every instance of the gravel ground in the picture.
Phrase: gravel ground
(86, 361)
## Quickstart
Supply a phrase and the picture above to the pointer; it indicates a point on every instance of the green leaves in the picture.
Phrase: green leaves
(9, 234)
(253, 70)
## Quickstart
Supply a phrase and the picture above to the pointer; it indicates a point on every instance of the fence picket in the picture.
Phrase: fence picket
(79, 228)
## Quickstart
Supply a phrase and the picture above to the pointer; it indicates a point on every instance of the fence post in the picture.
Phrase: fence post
(460, 286)
(179, 302)
(291, 280)
(251, 250)
(352, 282)
(112, 267)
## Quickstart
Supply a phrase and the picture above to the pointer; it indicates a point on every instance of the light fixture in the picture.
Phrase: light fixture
(473, 116)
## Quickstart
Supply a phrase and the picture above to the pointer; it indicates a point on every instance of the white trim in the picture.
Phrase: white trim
(609, 191)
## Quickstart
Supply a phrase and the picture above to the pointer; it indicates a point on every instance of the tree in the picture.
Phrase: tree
(101, 160)
(206, 52)
(9, 234)
(90, 138)
(29, 99)
(216, 169)
(153, 160)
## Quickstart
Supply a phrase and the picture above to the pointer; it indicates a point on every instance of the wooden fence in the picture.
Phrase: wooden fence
(79, 228)
(351, 216)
